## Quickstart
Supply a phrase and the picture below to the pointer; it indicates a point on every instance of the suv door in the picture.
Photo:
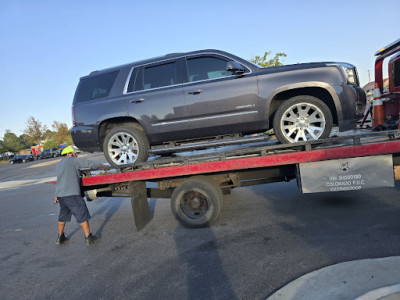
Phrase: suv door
(156, 100)
(218, 101)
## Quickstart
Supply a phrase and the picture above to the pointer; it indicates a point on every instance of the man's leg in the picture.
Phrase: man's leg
(63, 217)
(61, 226)
(61, 237)
(89, 238)
(86, 228)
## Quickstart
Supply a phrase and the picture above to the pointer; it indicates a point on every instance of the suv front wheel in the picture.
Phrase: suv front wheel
(302, 118)
(125, 145)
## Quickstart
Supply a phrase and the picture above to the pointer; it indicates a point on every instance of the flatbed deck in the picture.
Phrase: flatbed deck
(270, 153)
(196, 180)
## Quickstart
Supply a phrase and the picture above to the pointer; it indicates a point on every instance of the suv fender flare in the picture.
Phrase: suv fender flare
(308, 84)
(108, 124)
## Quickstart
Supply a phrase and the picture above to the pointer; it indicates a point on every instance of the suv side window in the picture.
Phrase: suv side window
(95, 87)
(160, 75)
(206, 67)
(132, 80)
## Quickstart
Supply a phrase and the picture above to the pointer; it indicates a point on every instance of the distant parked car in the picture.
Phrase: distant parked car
(49, 153)
(22, 159)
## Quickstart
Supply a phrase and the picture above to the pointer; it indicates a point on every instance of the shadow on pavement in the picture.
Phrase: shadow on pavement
(205, 275)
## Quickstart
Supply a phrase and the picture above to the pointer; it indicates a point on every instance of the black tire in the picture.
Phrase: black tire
(197, 202)
(126, 145)
(302, 118)
(226, 191)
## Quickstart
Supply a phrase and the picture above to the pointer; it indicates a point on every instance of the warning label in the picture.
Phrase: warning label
(345, 182)
(347, 174)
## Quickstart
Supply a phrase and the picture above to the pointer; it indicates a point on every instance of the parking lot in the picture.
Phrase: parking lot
(265, 237)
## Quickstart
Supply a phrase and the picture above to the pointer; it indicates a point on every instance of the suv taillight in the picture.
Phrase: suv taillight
(73, 116)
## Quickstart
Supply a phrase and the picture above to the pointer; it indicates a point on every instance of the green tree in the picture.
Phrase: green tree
(61, 133)
(24, 140)
(48, 134)
(12, 142)
(266, 62)
(2, 147)
(49, 144)
(35, 130)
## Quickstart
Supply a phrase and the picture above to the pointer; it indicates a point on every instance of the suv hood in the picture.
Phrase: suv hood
(294, 67)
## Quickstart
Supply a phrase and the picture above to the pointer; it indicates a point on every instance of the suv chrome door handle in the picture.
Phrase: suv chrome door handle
(136, 100)
(195, 92)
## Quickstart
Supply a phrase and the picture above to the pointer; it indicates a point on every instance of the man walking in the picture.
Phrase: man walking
(68, 194)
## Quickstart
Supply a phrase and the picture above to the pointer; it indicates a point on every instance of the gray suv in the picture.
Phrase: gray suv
(125, 110)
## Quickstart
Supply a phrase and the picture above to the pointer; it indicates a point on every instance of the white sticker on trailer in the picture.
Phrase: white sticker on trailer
(349, 174)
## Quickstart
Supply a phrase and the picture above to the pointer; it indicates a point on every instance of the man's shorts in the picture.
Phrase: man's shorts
(73, 205)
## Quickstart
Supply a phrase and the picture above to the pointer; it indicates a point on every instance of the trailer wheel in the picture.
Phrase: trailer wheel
(196, 202)
(125, 145)
(302, 118)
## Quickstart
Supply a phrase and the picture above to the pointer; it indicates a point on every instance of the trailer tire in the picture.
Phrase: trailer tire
(197, 202)
(302, 118)
(226, 191)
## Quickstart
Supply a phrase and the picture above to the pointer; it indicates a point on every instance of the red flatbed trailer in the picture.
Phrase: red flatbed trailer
(196, 182)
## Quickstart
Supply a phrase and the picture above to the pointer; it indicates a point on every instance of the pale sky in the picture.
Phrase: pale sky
(48, 45)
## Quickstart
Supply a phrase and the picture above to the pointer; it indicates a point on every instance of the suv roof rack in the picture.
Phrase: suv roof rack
(175, 53)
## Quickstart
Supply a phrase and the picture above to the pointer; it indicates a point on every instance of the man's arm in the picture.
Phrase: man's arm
(89, 164)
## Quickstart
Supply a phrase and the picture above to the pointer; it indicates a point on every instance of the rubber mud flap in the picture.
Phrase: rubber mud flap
(140, 205)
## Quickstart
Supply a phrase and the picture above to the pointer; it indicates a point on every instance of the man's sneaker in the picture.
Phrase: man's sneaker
(61, 239)
(91, 239)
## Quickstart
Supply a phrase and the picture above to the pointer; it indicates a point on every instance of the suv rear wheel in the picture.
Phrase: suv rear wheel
(302, 118)
(125, 145)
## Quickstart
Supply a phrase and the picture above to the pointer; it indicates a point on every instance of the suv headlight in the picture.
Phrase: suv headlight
(350, 72)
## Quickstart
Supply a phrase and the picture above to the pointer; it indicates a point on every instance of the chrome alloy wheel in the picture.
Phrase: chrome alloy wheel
(123, 148)
(302, 122)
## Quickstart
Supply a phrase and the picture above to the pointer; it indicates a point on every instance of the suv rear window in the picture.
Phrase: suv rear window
(95, 87)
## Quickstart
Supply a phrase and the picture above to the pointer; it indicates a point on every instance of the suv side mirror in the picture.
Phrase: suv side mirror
(235, 67)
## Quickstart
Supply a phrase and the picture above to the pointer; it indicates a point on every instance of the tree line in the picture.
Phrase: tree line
(34, 134)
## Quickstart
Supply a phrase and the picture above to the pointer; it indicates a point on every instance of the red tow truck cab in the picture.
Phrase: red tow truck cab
(392, 105)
